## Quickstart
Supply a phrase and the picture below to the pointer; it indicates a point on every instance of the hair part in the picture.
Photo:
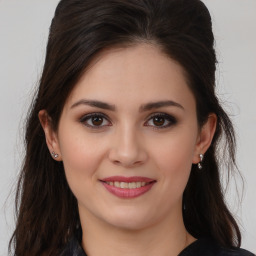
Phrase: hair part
(47, 212)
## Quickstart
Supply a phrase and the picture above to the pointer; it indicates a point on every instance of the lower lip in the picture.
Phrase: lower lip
(126, 192)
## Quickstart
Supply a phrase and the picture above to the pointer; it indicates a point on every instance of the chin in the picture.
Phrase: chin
(130, 220)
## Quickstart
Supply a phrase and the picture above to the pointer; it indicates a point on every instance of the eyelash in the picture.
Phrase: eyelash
(88, 117)
(167, 118)
(170, 120)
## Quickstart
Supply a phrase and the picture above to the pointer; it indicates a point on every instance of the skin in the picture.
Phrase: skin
(128, 141)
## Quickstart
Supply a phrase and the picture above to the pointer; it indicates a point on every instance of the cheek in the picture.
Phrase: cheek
(81, 156)
(173, 157)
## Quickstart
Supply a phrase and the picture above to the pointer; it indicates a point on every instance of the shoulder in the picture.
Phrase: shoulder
(204, 246)
(73, 248)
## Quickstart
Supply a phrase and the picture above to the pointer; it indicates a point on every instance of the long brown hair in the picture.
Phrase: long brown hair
(47, 213)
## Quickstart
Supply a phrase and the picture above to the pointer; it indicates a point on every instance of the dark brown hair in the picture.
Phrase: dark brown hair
(47, 214)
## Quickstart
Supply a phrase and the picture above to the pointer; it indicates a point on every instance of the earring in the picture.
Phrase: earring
(200, 166)
(55, 155)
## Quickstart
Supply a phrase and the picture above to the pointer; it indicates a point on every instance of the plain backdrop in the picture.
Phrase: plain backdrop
(24, 28)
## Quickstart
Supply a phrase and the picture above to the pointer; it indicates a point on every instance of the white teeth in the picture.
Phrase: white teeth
(124, 185)
(132, 185)
(129, 185)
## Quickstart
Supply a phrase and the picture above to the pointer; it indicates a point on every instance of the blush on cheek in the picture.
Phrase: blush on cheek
(175, 166)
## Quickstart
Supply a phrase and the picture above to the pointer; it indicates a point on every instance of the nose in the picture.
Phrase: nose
(127, 148)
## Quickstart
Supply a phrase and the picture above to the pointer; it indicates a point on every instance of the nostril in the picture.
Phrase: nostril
(127, 156)
(127, 164)
(117, 162)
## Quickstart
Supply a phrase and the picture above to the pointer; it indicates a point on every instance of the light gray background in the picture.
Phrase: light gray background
(23, 35)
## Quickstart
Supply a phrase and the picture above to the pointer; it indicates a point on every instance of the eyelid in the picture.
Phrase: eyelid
(172, 120)
(86, 117)
(169, 118)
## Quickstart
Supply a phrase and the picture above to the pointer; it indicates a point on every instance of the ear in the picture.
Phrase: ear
(50, 135)
(205, 137)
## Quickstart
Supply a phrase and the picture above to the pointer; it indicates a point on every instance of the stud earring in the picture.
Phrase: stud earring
(200, 166)
(55, 155)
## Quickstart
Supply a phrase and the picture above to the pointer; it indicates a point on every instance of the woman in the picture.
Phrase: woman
(123, 136)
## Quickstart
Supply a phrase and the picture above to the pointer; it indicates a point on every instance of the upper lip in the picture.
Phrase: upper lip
(127, 179)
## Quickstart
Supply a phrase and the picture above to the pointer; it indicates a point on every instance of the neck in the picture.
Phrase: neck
(166, 238)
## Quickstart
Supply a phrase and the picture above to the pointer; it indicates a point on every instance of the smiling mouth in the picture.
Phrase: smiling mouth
(128, 187)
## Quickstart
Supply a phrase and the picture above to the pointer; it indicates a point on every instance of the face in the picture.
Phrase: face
(127, 136)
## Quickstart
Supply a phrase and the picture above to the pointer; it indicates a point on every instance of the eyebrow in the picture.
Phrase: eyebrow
(145, 107)
(160, 104)
(94, 103)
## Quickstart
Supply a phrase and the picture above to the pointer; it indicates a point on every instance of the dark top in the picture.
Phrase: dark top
(201, 247)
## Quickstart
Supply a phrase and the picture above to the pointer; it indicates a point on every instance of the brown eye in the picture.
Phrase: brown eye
(97, 120)
(161, 121)
(158, 121)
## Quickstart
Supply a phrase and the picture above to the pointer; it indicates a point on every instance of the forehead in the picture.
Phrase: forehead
(141, 72)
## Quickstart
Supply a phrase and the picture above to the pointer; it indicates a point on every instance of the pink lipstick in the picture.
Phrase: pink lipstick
(128, 187)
